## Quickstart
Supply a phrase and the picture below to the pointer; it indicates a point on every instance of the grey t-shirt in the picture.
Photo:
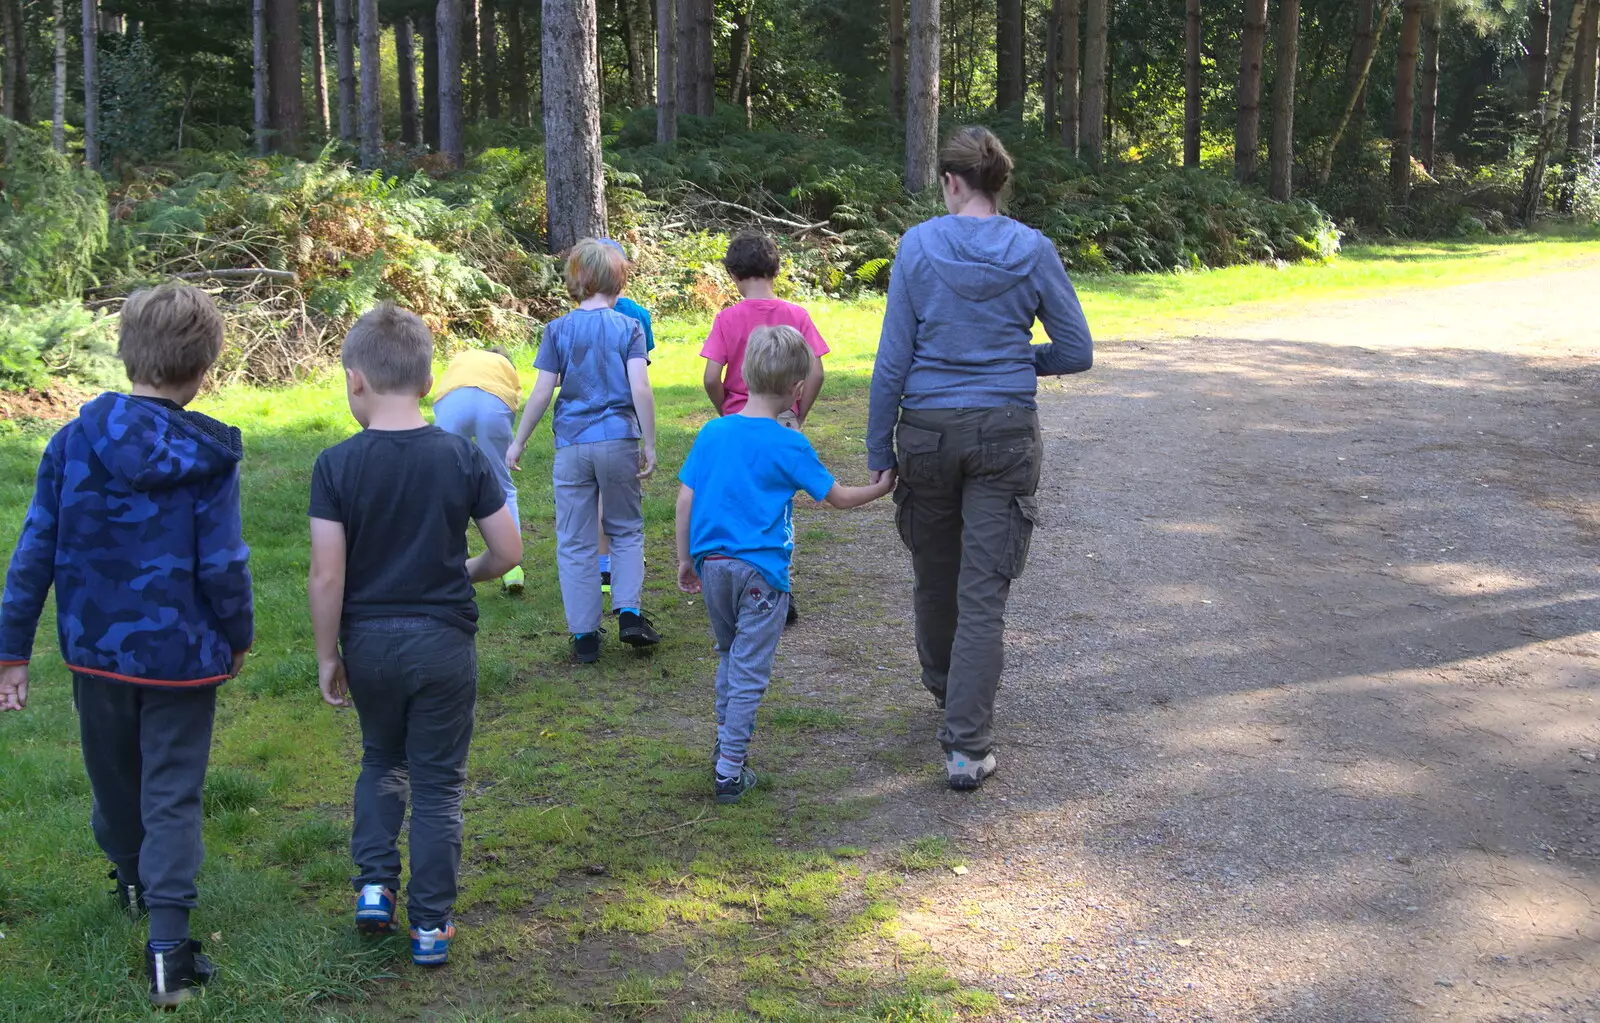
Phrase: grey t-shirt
(589, 349)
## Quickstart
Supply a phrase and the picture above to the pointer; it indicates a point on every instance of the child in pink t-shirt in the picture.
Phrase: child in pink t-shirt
(752, 262)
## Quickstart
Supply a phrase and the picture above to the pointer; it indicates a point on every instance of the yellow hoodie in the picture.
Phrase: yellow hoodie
(484, 370)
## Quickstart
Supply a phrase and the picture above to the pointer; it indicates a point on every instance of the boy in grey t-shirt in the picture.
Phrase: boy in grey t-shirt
(605, 437)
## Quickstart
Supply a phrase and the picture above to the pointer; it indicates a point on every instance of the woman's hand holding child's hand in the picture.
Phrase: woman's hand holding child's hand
(688, 580)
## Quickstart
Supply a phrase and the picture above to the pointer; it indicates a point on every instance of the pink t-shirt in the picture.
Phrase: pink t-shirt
(730, 332)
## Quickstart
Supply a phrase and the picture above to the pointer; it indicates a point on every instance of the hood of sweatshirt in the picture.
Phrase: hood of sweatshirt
(979, 258)
(150, 446)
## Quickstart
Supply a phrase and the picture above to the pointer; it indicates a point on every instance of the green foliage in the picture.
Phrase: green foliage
(52, 219)
(136, 101)
(61, 339)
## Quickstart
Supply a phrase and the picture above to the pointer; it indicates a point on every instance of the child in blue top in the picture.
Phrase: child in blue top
(605, 438)
(736, 534)
(634, 311)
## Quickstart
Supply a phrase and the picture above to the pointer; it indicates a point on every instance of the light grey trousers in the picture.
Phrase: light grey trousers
(604, 472)
(746, 615)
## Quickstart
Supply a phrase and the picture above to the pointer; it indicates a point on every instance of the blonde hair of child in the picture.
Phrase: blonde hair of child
(776, 359)
(595, 268)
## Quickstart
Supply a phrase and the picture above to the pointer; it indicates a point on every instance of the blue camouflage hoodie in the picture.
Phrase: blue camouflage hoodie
(136, 520)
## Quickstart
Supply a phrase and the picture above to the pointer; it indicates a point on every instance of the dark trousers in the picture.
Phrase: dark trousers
(415, 685)
(146, 749)
(965, 509)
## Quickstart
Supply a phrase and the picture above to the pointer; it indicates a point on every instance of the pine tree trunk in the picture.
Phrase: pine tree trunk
(739, 53)
(1247, 136)
(1358, 90)
(1581, 125)
(1363, 46)
(1550, 114)
(1538, 52)
(666, 70)
(18, 101)
(1191, 84)
(1092, 125)
(471, 76)
(1282, 169)
(705, 64)
(517, 64)
(91, 84)
(1008, 56)
(344, 57)
(58, 109)
(688, 58)
(285, 82)
(428, 32)
(1430, 83)
(1052, 71)
(405, 71)
(367, 31)
(575, 188)
(897, 57)
(922, 96)
(636, 30)
(258, 44)
(1071, 75)
(489, 59)
(452, 135)
(1405, 100)
(319, 67)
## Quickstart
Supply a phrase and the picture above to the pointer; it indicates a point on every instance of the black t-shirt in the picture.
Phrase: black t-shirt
(405, 497)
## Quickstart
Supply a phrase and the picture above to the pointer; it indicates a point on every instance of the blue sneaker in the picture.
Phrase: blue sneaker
(376, 910)
(731, 790)
(431, 947)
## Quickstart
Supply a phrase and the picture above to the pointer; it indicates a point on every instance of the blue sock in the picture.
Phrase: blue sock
(627, 610)
(605, 562)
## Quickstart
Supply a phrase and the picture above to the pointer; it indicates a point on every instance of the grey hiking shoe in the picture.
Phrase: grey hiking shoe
(967, 772)
(731, 790)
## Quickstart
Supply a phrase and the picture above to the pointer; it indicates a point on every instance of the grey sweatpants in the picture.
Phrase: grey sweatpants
(747, 615)
(479, 416)
(604, 472)
(145, 749)
(965, 509)
(415, 685)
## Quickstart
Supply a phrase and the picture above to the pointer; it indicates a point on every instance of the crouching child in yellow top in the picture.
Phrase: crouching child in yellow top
(476, 399)
(395, 619)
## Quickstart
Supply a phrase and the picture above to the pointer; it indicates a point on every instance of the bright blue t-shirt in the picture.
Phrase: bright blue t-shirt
(628, 307)
(744, 472)
(589, 349)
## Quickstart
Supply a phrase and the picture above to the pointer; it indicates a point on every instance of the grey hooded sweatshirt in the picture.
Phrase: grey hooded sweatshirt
(958, 332)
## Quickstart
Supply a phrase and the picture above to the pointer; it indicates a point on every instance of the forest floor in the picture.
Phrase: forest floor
(1301, 720)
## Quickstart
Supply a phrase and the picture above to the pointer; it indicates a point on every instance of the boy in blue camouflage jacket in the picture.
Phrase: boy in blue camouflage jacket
(136, 522)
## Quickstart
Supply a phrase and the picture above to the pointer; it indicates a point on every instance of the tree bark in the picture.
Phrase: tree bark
(1052, 71)
(1362, 51)
(285, 80)
(1353, 105)
(428, 32)
(1405, 100)
(666, 70)
(368, 30)
(1191, 84)
(91, 84)
(1247, 136)
(897, 57)
(344, 54)
(1581, 124)
(1071, 75)
(1008, 56)
(471, 75)
(575, 188)
(636, 29)
(688, 58)
(705, 85)
(517, 64)
(18, 100)
(739, 54)
(258, 45)
(1430, 84)
(58, 109)
(319, 67)
(452, 133)
(1549, 114)
(922, 96)
(1281, 185)
(405, 72)
(1538, 52)
(1092, 127)
(489, 59)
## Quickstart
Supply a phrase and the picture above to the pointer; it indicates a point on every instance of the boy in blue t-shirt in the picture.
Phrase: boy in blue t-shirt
(633, 311)
(736, 534)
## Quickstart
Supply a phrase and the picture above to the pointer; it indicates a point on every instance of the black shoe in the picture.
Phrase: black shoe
(130, 897)
(605, 583)
(731, 790)
(176, 973)
(586, 648)
(636, 630)
(793, 615)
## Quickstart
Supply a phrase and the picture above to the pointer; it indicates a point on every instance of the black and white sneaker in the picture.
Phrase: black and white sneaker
(967, 772)
(129, 897)
(176, 973)
(636, 630)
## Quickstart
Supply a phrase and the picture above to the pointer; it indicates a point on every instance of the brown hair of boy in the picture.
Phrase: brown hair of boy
(595, 268)
(169, 335)
(392, 348)
(776, 359)
(975, 155)
(751, 256)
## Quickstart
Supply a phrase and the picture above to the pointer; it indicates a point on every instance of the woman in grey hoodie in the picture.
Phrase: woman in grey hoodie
(954, 391)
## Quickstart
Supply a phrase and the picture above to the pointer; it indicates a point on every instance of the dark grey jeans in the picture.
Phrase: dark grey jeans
(146, 749)
(415, 685)
(965, 509)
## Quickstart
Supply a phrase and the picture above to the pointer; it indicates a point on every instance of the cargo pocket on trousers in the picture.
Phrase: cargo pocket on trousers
(902, 513)
(1024, 516)
(919, 455)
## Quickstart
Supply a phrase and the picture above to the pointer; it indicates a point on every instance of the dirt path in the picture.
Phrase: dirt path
(1302, 714)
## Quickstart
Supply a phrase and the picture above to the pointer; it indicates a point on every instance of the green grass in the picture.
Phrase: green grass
(600, 880)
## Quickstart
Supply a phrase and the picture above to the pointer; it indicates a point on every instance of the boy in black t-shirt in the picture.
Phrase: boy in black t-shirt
(394, 615)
